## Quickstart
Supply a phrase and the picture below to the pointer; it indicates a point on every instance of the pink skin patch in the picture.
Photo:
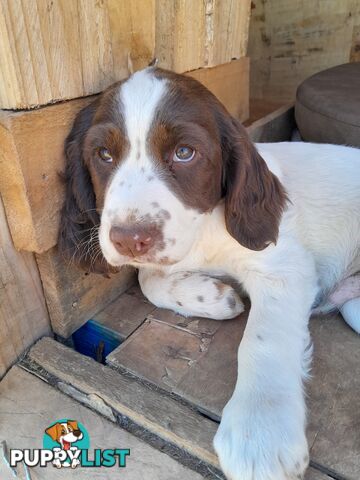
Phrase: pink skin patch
(346, 290)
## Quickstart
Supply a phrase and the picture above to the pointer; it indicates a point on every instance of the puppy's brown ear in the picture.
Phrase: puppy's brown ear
(53, 431)
(78, 239)
(73, 424)
(254, 197)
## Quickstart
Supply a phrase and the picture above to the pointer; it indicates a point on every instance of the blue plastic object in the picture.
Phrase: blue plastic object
(95, 341)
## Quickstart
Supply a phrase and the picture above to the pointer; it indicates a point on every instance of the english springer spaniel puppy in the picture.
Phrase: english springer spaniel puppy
(161, 177)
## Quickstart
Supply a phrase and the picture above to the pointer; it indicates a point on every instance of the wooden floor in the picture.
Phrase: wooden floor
(170, 371)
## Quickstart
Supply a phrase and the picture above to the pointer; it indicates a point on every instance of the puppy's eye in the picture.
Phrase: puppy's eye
(184, 154)
(104, 155)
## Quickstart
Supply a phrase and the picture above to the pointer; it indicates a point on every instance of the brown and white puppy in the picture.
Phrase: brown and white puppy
(161, 177)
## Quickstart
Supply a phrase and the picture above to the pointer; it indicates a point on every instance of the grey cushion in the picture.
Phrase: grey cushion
(327, 108)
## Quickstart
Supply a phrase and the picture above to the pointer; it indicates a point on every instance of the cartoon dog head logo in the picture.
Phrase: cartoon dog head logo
(66, 436)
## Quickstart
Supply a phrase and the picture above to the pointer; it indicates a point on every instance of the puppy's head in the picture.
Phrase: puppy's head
(147, 161)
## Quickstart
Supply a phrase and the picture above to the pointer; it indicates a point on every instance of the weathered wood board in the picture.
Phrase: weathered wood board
(230, 84)
(56, 50)
(277, 126)
(157, 413)
(180, 355)
(28, 405)
(23, 314)
(74, 296)
(194, 365)
(126, 313)
(214, 33)
(32, 156)
(287, 44)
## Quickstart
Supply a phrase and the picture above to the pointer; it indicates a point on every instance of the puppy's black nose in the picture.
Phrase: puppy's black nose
(77, 433)
(133, 241)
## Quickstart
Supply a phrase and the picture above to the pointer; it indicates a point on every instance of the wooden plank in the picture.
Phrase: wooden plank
(215, 33)
(157, 413)
(230, 83)
(28, 404)
(23, 314)
(180, 356)
(32, 156)
(53, 50)
(287, 44)
(277, 126)
(126, 313)
(72, 295)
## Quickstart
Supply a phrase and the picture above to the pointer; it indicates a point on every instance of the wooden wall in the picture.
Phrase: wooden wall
(52, 50)
(291, 40)
(23, 314)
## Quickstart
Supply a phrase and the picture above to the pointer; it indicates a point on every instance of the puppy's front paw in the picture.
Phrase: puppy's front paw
(264, 443)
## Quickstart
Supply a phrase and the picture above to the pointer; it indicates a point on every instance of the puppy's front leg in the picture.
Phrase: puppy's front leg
(191, 294)
(262, 431)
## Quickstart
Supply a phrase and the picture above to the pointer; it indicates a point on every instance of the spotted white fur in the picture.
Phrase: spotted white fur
(262, 432)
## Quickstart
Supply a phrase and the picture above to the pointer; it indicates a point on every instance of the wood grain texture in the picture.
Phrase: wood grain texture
(31, 159)
(126, 313)
(277, 126)
(180, 355)
(32, 155)
(52, 50)
(230, 84)
(40, 403)
(23, 314)
(215, 32)
(72, 295)
(287, 44)
(153, 411)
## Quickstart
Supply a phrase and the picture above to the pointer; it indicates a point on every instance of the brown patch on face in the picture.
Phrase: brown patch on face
(226, 163)
(185, 119)
(111, 137)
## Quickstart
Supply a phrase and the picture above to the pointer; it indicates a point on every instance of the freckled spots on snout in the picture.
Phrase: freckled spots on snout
(200, 298)
(155, 205)
(179, 303)
(259, 337)
(121, 184)
(150, 178)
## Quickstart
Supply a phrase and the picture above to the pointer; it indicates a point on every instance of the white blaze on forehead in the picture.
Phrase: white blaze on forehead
(140, 96)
